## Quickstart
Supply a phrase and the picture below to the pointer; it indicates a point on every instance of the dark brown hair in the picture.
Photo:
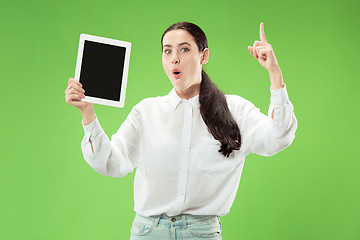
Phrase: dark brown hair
(213, 106)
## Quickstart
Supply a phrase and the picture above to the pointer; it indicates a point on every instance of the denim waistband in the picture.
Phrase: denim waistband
(181, 219)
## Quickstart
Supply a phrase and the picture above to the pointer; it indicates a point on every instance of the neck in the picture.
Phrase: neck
(190, 92)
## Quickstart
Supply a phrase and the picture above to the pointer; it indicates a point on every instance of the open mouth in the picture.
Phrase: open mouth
(176, 73)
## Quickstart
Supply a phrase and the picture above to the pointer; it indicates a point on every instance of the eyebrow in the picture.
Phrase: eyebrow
(183, 43)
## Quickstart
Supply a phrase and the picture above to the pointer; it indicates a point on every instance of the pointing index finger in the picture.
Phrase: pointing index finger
(262, 33)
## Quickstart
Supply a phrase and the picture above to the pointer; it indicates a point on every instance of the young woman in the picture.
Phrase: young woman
(189, 146)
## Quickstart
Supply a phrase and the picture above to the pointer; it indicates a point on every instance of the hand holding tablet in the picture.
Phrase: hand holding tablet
(74, 93)
(102, 69)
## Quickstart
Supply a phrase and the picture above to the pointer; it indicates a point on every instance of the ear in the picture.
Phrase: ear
(205, 56)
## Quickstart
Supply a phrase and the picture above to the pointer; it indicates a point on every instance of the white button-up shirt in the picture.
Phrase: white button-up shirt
(178, 167)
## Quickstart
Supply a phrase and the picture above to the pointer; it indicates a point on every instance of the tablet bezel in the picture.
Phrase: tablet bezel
(127, 46)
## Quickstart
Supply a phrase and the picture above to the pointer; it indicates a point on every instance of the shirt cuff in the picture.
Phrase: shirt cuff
(93, 129)
(279, 96)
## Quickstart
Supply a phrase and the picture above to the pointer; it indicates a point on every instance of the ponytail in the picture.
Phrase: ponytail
(217, 117)
(213, 106)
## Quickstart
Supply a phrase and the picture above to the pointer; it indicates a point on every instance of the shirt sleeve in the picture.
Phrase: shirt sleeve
(115, 158)
(267, 135)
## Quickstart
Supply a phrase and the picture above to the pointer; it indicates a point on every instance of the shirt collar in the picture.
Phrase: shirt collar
(175, 100)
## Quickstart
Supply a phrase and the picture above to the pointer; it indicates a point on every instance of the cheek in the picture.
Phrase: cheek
(165, 65)
(193, 64)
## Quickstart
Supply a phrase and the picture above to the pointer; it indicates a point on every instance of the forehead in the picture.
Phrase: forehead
(178, 36)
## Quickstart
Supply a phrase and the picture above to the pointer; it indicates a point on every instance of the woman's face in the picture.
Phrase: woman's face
(182, 60)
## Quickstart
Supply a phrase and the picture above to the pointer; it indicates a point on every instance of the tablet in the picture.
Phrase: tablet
(102, 68)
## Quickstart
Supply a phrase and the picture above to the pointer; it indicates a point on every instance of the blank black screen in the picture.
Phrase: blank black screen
(102, 70)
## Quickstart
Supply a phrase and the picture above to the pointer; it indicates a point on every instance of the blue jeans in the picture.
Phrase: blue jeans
(178, 227)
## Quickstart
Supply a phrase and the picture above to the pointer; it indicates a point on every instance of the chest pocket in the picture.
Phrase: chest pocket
(211, 162)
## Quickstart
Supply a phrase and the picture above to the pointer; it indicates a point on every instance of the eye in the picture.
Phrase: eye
(184, 49)
(167, 51)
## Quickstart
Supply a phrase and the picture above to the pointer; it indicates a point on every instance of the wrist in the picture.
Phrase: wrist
(276, 78)
(88, 114)
(275, 70)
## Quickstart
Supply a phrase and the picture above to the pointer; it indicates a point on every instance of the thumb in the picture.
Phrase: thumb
(251, 50)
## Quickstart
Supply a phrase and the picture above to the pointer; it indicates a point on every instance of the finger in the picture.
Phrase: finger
(251, 50)
(260, 43)
(73, 80)
(262, 33)
(71, 90)
(263, 54)
(69, 100)
(267, 46)
(254, 50)
(256, 45)
(74, 91)
(73, 97)
(77, 87)
(258, 48)
(67, 90)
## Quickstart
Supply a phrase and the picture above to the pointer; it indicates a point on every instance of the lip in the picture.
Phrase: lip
(177, 76)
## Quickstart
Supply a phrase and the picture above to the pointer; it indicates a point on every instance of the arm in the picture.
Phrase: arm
(110, 158)
(261, 134)
(269, 135)
(116, 157)
(273, 133)
(88, 118)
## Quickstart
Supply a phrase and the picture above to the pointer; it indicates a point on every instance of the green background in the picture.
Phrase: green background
(308, 191)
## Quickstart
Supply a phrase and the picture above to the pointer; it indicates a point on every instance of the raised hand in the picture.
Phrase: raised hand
(73, 95)
(263, 52)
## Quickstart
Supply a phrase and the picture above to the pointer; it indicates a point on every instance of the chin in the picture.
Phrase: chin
(178, 86)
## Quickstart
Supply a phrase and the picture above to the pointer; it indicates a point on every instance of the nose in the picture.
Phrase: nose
(175, 59)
